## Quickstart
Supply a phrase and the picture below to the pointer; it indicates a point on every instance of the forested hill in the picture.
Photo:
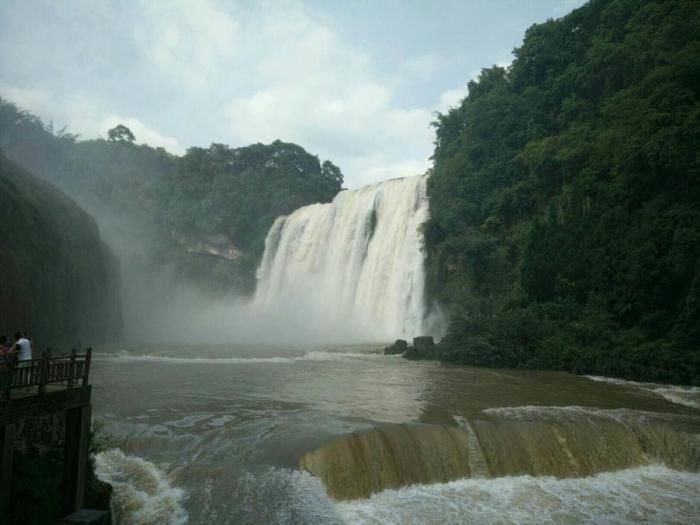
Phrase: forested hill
(565, 199)
(201, 217)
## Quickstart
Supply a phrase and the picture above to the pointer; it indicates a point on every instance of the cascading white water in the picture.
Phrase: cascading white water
(353, 266)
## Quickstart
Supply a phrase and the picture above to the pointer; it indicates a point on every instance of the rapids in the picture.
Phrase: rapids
(535, 441)
(345, 435)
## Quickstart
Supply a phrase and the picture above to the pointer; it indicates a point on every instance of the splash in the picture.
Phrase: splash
(649, 494)
(142, 493)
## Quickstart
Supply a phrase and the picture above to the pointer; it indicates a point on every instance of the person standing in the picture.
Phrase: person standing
(4, 347)
(5, 352)
(23, 347)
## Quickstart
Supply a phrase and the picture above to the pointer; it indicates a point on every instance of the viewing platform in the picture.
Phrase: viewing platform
(45, 386)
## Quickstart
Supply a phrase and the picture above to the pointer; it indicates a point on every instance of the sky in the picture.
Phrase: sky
(355, 82)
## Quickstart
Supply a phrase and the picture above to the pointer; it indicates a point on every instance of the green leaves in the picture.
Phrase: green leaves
(573, 178)
(239, 192)
(121, 133)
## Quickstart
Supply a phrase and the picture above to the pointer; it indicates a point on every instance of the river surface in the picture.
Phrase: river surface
(215, 434)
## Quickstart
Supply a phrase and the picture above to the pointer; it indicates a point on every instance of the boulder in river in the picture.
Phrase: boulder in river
(423, 348)
(399, 347)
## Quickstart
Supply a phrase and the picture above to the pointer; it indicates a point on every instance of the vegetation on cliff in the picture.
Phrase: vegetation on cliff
(37, 484)
(565, 199)
(59, 279)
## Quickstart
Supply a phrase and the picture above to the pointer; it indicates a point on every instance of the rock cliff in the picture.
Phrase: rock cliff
(59, 280)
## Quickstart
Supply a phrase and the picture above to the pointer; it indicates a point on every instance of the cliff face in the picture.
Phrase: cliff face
(58, 279)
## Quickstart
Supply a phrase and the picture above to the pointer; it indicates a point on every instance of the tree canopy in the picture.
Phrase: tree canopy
(121, 133)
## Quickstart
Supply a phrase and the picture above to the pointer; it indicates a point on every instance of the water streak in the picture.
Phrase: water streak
(688, 396)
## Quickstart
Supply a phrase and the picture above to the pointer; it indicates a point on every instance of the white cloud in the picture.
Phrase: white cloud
(451, 98)
(185, 40)
(83, 115)
(310, 87)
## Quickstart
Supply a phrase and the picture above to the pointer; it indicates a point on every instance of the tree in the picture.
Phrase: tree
(121, 133)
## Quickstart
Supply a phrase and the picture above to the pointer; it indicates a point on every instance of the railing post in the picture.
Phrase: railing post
(86, 372)
(44, 371)
(71, 370)
(9, 377)
(7, 447)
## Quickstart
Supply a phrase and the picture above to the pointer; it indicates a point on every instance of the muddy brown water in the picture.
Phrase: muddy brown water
(231, 434)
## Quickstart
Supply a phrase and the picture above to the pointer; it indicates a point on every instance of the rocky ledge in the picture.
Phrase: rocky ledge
(423, 348)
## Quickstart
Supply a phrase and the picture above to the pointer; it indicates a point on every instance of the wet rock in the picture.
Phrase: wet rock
(424, 344)
(399, 347)
(423, 348)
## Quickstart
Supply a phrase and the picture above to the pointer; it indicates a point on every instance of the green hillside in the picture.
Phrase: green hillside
(565, 199)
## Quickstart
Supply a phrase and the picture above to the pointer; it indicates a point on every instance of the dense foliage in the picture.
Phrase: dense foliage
(204, 214)
(565, 199)
(37, 484)
(238, 193)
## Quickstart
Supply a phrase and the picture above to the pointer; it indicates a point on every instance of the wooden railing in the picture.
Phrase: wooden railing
(67, 370)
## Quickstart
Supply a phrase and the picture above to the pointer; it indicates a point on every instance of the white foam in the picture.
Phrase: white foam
(279, 496)
(142, 493)
(541, 413)
(574, 412)
(651, 494)
(124, 357)
(688, 396)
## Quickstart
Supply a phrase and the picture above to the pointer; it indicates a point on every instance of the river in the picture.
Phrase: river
(216, 434)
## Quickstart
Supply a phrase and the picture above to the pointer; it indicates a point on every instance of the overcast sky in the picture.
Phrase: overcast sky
(355, 82)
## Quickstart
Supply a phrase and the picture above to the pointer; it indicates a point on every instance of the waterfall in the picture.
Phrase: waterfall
(352, 268)
(537, 441)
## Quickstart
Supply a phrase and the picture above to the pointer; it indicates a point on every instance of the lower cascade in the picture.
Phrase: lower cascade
(354, 265)
(562, 442)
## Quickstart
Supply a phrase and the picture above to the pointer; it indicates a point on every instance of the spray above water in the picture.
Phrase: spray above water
(353, 266)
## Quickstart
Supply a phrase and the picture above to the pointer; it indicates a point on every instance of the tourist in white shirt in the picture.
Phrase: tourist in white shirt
(23, 347)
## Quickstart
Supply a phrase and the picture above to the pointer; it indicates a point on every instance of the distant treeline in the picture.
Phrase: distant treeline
(565, 199)
(181, 211)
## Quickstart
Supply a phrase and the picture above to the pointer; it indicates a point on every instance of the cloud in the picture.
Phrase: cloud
(187, 42)
(83, 115)
(312, 88)
(451, 98)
